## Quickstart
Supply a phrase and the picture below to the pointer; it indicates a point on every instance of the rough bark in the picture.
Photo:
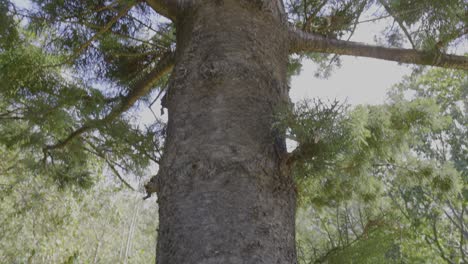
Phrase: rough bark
(223, 197)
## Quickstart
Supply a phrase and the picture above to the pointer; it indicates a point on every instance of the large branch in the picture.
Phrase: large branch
(307, 42)
(141, 88)
(166, 8)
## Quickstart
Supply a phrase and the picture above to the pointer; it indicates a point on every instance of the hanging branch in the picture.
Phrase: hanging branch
(104, 29)
(95, 150)
(141, 88)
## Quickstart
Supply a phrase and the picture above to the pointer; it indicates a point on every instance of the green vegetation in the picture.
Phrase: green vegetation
(376, 184)
(396, 188)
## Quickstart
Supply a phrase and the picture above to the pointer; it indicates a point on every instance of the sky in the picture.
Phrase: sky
(359, 80)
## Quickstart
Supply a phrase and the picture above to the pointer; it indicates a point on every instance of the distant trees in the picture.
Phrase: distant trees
(42, 223)
(399, 194)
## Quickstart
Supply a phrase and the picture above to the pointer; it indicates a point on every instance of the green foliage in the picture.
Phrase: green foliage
(434, 25)
(378, 184)
(340, 148)
(48, 195)
(402, 165)
(41, 106)
(8, 31)
(377, 247)
(124, 45)
(328, 18)
(38, 106)
(320, 129)
(41, 223)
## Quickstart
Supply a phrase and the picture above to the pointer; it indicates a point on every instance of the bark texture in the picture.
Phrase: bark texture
(222, 194)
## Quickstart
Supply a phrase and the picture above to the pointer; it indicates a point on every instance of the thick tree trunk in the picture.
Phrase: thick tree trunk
(222, 194)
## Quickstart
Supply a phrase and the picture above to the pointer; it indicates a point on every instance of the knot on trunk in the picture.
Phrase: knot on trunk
(152, 186)
(211, 69)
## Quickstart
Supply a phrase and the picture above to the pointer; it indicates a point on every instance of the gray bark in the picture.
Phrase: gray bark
(223, 194)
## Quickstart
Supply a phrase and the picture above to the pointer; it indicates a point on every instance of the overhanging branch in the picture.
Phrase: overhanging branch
(95, 150)
(307, 42)
(141, 88)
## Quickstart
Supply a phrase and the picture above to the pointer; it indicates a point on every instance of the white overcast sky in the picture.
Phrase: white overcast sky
(359, 80)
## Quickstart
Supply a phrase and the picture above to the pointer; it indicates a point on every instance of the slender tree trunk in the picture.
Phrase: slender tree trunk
(223, 195)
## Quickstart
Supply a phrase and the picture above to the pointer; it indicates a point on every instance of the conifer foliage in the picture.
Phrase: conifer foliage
(76, 76)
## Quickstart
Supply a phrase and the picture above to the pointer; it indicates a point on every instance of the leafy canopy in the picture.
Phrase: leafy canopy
(72, 70)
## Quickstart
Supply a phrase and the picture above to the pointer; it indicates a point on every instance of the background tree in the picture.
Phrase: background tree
(42, 222)
(412, 207)
(70, 87)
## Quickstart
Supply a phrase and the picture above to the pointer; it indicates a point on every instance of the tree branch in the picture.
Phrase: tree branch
(166, 8)
(141, 88)
(95, 150)
(400, 23)
(436, 241)
(121, 13)
(456, 224)
(308, 42)
(462, 237)
(101, 31)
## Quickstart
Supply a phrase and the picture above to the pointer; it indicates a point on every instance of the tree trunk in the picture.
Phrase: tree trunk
(222, 192)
